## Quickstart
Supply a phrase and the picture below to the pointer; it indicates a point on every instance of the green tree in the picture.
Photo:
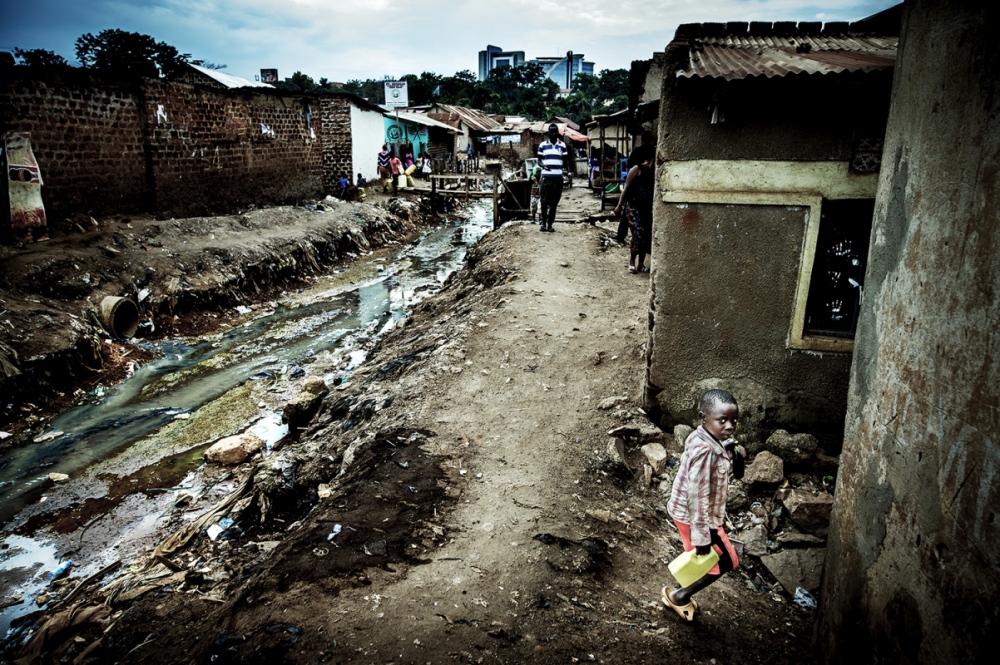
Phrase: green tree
(38, 57)
(371, 90)
(523, 90)
(420, 89)
(303, 82)
(129, 54)
(593, 95)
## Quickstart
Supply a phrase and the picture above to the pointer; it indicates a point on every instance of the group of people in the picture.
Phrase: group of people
(635, 203)
(390, 167)
(350, 190)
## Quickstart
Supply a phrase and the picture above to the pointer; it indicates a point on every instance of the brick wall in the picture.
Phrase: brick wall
(87, 140)
(216, 150)
(335, 132)
(108, 149)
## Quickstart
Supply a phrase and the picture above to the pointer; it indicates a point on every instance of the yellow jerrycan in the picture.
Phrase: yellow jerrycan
(689, 567)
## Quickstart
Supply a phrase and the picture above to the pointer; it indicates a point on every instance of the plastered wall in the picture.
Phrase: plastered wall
(733, 206)
(912, 562)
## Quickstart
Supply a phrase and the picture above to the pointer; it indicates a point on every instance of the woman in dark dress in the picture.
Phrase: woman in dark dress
(637, 198)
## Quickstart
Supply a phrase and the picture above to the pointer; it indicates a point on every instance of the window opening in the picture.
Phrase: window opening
(839, 268)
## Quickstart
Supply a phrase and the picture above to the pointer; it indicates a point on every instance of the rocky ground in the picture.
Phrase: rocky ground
(461, 500)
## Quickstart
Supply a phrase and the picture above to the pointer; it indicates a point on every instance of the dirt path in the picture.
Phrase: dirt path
(481, 517)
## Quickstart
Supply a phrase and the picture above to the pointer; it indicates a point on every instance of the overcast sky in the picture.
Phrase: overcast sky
(345, 39)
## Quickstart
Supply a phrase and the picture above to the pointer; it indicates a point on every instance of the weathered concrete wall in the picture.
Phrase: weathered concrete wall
(367, 137)
(734, 203)
(802, 118)
(724, 292)
(912, 561)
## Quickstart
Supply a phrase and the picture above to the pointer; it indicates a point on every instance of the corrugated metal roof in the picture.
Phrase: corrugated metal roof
(476, 120)
(228, 80)
(739, 56)
(421, 119)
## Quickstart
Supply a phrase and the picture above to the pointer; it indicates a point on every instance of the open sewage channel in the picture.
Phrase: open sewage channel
(134, 452)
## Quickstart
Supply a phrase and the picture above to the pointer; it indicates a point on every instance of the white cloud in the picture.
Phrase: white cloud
(366, 39)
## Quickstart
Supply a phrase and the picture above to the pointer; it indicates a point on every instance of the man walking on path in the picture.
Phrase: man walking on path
(552, 155)
(383, 168)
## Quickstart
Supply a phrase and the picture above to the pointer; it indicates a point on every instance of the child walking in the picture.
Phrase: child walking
(698, 500)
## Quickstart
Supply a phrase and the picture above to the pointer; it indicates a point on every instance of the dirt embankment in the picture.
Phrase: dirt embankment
(456, 502)
(51, 336)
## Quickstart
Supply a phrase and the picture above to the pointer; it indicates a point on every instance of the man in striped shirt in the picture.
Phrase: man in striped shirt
(552, 156)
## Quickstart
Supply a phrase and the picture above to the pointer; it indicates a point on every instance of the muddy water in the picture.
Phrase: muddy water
(149, 432)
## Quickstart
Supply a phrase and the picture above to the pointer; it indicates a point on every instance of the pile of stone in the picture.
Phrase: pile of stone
(781, 509)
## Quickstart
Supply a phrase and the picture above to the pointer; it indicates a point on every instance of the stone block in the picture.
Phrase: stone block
(792, 448)
(765, 468)
(736, 496)
(755, 540)
(647, 475)
(811, 513)
(652, 434)
(300, 410)
(234, 449)
(656, 455)
(616, 452)
(796, 539)
(681, 433)
(797, 568)
(609, 403)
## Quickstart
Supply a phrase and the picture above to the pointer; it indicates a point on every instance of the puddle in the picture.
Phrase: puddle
(24, 566)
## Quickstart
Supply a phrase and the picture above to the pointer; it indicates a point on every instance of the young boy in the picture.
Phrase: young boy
(698, 500)
(536, 176)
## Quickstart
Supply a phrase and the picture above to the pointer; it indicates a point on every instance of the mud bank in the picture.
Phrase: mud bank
(180, 273)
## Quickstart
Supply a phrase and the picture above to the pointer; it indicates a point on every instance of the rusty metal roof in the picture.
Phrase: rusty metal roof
(475, 120)
(420, 119)
(739, 56)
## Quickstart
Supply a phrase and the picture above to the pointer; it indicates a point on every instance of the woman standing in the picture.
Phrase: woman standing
(637, 197)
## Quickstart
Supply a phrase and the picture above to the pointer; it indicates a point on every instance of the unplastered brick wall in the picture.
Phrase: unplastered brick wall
(155, 146)
(335, 134)
(214, 150)
(86, 137)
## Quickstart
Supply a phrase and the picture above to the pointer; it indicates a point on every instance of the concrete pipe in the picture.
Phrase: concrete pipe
(120, 316)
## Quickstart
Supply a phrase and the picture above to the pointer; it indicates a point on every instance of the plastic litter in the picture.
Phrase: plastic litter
(803, 598)
(60, 570)
(336, 529)
(214, 532)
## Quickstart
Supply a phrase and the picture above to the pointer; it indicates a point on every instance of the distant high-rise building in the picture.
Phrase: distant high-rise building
(494, 56)
(563, 70)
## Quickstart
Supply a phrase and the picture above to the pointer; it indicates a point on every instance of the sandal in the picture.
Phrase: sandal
(685, 612)
(631, 269)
